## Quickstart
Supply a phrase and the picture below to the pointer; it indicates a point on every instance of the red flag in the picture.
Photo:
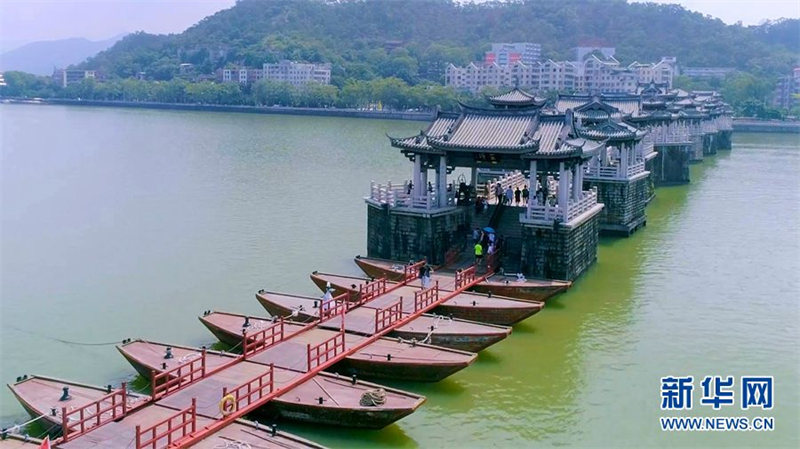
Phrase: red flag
(46, 443)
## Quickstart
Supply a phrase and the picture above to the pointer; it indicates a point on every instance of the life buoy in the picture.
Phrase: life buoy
(227, 405)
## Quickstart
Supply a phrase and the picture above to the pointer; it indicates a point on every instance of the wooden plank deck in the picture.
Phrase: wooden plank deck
(292, 353)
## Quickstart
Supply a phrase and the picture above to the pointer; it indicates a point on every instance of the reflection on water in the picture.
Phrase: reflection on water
(130, 223)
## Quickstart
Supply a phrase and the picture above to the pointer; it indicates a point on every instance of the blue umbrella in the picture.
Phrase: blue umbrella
(488, 229)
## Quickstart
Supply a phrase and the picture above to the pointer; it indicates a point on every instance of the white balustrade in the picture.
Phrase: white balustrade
(551, 212)
(398, 196)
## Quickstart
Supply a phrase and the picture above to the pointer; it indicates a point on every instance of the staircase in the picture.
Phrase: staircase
(505, 222)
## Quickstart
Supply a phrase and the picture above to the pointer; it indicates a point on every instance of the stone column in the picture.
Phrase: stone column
(623, 160)
(576, 186)
(417, 175)
(442, 181)
(563, 183)
(531, 187)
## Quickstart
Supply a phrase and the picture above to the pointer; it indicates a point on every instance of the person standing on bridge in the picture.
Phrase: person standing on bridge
(327, 298)
(425, 275)
(517, 195)
(509, 195)
(526, 194)
(478, 253)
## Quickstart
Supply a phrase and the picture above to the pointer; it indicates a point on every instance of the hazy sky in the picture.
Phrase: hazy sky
(23, 21)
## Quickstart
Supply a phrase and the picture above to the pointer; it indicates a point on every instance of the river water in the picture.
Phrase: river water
(129, 223)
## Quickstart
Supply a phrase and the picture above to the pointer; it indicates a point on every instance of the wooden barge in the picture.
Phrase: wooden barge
(324, 399)
(496, 284)
(479, 307)
(191, 402)
(384, 358)
(40, 396)
(439, 330)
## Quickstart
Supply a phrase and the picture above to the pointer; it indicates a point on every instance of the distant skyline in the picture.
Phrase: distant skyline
(25, 21)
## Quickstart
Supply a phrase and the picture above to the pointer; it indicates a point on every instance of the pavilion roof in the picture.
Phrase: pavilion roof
(517, 97)
(525, 132)
(611, 130)
(624, 104)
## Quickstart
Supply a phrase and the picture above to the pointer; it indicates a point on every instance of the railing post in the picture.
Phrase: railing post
(153, 382)
(124, 387)
(308, 353)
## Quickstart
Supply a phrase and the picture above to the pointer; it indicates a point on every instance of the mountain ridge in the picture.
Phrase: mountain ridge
(41, 57)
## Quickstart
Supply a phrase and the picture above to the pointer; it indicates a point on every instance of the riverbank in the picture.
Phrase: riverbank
(749, 125)
(739, 124)
(284, 110)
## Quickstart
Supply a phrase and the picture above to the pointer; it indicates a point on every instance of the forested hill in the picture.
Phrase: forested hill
(414, 40)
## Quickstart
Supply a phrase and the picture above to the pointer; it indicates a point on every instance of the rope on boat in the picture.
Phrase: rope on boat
(233, 444)
(373, 398)
(17, 428)
(190, 356)
(61, 340)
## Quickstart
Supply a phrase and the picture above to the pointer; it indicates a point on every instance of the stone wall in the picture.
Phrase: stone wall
(624, 202)
(672, 164)
(559, 252)
(411, 236)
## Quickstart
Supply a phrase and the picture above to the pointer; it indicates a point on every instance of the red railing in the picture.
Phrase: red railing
(253, 390)
(388, 316)
(262, 339)
(411, 272)
(166, 382)
(185, 422)
(337, 305)
(108, 408)
(426, 297)
(371, 290)
(465, 276)
(321, 353)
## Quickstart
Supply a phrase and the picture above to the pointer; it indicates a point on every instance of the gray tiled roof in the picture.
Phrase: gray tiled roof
(489, 131)
(516, 97)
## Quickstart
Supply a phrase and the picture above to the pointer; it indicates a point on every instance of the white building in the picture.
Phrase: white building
(597, 72)
(297, 73)
(504, 54)
(660, 72)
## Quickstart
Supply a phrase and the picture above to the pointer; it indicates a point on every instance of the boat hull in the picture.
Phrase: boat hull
(411, 372)
(333, 416)
(463, 342)
(537, 291)
(534, 293)
(376, 271)
(491, 315)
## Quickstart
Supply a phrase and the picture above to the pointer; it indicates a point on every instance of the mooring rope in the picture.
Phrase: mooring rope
(61, 340)
(233, 444)
(373, 398)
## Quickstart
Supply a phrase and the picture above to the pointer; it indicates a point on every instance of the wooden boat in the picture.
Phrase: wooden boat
(41, 395)
(383, 359)
(499, 285)
(36, 393)
(463, 335)
(432, 329)
(340, 397)
(471, 306)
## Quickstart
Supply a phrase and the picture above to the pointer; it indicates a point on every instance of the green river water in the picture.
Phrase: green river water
(129, 223)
